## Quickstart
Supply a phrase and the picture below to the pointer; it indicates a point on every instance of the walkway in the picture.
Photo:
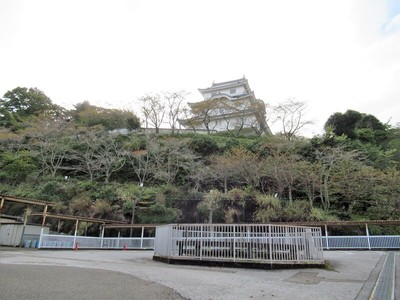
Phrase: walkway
(352, 275)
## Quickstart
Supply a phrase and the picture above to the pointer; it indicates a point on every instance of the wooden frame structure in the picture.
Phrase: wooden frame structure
(45, 214)
(45, 204)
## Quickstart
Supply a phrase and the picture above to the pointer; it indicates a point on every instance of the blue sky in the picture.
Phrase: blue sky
(393, 8)
(392, 24)
(333, 54)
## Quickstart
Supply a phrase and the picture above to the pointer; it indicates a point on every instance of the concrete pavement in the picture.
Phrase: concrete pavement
(350, 274)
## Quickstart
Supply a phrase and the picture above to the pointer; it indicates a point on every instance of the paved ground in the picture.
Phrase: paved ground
(54, 282)
(86, 274)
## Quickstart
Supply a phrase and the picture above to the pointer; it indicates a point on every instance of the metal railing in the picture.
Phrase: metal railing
(214, 243)
(362, 242)
(260, 243)
(83, 242)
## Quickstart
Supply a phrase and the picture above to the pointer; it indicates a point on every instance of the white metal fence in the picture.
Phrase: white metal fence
(72, 242)
(221, 241)
(362, 242)
(260, 243)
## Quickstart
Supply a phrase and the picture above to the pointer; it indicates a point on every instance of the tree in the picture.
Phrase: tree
(386, 199)
(269, 208)
(189, 119)
(110, 156)
(83, 154)
(344, 124)
(308, 180)
(153, 109)
(223, 168)
(282, 166)
(80, 204)
(356, 185)
(100, 208)
(111, 119)
(25, 102)
(22, 105)
(174, 102)
(356, 125)
(98, 154)
(227, 109)
(211, 202)
(248, 166)
(328, 159)
(200, 176)
(9, 119)
(291, 116)
(140, 156)
(16, 166)
(51, 143)
(237, 166)
(299, 210)
(131, 196)
(158, 213)
(173, 157)
(235, 205)
(202, 114)
(243, 114)
(394, 143)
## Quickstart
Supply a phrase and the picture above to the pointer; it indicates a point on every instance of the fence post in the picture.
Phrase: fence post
(76, 231)
(40, 238)
(270, 243)
(367, 231)
(326, 237)
(201, 241)
(141, 238)
(102, 235)
(297, 244)
(234, 242)
(23, 229)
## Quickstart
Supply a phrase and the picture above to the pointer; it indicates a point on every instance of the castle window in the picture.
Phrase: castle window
(232, 91)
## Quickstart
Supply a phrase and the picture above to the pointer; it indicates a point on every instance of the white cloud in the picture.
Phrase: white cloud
(393, 25)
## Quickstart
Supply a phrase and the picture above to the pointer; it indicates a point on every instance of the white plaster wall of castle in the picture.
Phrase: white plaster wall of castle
(235, 123)
(230, 123)
(240, 90)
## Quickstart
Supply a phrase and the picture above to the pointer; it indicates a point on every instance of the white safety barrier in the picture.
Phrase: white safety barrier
(249, 242)
(260, 243)
(362, 242)
(84, 242)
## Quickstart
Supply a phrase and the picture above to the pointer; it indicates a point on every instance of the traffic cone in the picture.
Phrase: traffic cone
(124, 247)
(76, 246)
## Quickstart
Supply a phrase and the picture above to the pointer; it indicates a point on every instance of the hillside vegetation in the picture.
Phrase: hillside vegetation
(78, 161)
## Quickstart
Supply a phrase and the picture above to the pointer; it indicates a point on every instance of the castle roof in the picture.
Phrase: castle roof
(227, 85)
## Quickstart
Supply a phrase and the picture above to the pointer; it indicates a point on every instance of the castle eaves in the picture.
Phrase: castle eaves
(227, 85)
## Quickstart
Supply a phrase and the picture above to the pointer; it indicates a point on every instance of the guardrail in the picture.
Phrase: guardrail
(362, 242)
(328, 243)
(83, 242)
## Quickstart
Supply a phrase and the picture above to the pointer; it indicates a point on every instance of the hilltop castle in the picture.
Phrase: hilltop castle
(228, 106)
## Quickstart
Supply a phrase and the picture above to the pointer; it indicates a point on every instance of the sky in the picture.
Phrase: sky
(334, 55)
